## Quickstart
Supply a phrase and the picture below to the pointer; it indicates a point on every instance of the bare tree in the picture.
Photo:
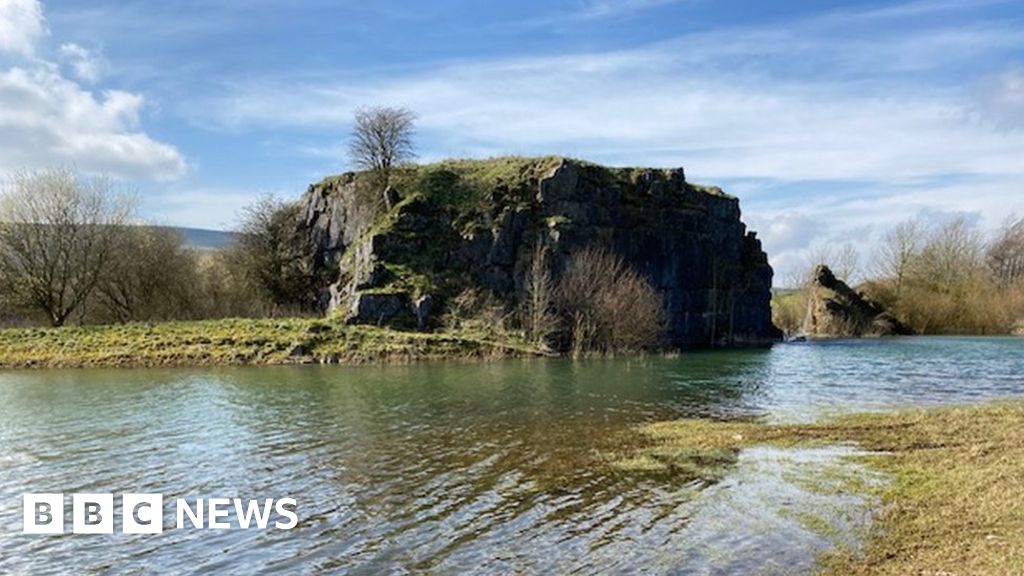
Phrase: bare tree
(382, 139)
(896, 254)
(58, 234)
(608, 306)
(540, 320)
(1005, 255)
(951, 255)
(843, 260)
(154, 277)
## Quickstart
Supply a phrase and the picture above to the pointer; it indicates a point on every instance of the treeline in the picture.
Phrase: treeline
(941, 278)
(71, 252)
(947, 279)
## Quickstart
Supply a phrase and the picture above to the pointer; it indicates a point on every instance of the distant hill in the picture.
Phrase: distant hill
(202, 239)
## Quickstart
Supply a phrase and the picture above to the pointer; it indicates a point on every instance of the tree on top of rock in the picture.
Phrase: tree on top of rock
(382, 139)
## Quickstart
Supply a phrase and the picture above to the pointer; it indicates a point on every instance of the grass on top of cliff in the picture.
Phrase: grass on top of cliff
(473, 186)
(954, 503)
(238, 341)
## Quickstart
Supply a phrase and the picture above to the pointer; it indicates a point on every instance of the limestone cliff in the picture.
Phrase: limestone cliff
(834, 310)
(443, 227)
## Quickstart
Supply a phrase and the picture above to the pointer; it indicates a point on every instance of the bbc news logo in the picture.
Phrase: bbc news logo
(143, 513)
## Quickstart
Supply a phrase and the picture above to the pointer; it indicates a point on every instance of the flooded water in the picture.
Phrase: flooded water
(462, 468)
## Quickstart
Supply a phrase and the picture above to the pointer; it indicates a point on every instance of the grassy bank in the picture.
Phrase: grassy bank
(955, 504)
(235, 342)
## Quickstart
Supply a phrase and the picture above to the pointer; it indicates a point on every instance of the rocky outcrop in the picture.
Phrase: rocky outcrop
(834, 310)
(455, 225)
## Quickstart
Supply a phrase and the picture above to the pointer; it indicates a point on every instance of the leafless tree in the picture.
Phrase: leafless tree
(608, 306)
(951, 254)
(58, 235)
(843, 260)
(540, 319)
(382, 139)
(896, 254)
(1005, 255)
(154, 277)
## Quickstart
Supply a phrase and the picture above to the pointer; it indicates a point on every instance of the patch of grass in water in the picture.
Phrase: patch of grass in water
(955, 501)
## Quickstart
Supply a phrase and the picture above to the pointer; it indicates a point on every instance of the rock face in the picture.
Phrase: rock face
(834, 310)
(446, 227)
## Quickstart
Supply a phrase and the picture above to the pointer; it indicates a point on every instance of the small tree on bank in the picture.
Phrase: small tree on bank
(539, 317)
(381, 140)
(58, 237)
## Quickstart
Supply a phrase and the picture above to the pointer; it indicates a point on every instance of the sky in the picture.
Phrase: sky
(830, 120)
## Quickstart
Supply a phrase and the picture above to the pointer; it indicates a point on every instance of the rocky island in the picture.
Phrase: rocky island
(457, 224)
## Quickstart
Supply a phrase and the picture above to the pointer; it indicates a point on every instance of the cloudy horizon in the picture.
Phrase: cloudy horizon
(829, 122)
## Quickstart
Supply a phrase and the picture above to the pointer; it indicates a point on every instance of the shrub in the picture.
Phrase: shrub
(607, 307)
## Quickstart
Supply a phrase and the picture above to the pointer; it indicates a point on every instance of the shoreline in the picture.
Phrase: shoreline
(953, 503)
(241, 342)
(279, 342)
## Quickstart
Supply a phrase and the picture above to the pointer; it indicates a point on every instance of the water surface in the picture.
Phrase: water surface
(455, 468)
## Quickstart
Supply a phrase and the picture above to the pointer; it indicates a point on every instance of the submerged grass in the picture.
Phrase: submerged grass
(955, 502)
(238, 341)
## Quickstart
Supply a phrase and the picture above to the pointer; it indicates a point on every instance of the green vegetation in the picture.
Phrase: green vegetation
(239, 341)
(954, 503)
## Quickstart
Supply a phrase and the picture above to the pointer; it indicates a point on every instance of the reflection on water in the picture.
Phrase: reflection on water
(453, 467)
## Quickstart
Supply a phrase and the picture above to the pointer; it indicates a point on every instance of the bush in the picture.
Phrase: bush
(267, 258)
(608, 307)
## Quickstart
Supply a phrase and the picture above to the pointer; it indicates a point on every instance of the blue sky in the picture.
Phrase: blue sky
(830, 120)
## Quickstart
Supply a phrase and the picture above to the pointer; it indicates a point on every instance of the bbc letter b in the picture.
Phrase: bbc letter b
(92, 513)
(43, 514)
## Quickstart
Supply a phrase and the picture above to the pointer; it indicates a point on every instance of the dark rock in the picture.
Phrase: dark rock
(688, 240)
(834, 310)
(391, 197)
(376, 308)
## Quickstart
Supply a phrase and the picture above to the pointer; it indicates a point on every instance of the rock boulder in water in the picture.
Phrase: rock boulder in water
(834, 310)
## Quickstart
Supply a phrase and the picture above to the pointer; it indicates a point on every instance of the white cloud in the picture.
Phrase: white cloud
(1003, 98)
(21, 26)
(87, 65)
(47, 118)
(643, 108)
(592, 10)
